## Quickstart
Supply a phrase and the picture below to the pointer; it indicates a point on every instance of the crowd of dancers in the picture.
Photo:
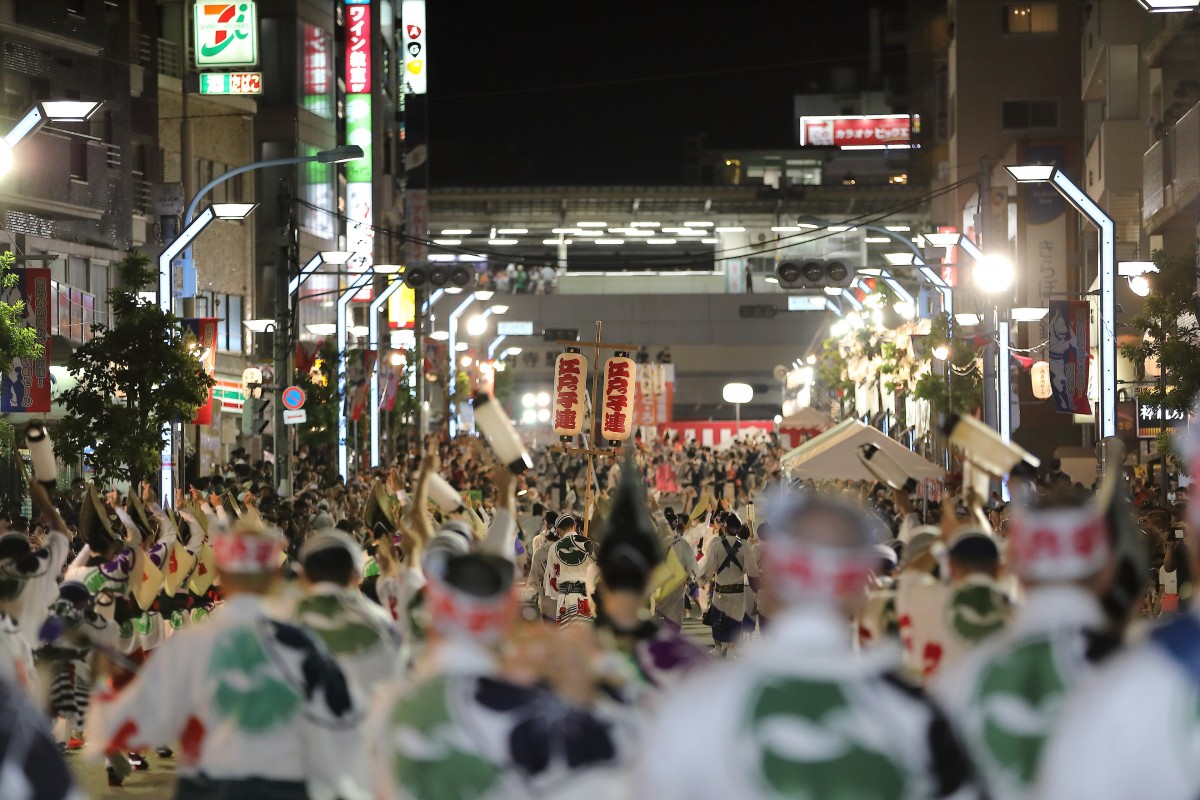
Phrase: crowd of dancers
(453, 630)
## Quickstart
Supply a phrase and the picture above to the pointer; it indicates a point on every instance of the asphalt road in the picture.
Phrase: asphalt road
(157, 782)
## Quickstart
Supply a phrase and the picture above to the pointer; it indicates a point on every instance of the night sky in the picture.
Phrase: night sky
(539, 93)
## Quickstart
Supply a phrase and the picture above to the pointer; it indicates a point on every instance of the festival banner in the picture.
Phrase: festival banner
(26, 387)
(1070, 343)
(570, 384)
(201, 336)
(620, 386)
(655, 398)
(362, 392)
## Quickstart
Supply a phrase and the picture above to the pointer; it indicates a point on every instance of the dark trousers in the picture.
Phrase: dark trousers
(202, 788)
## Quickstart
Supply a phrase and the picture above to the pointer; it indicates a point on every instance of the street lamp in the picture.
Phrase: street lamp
(357, 283)
(1107, 273)
(1169, 6)
(232, 211)
(37, 116)
(314, 263)
(737, 393)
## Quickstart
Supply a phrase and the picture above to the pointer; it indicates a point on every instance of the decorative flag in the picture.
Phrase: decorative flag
(616, 414)
(26, 385)
(1070, 345)
(388, 401)
(570, 383)
(201, 335)
(362, 391)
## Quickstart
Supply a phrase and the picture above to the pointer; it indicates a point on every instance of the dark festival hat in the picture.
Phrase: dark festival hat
(629, 549)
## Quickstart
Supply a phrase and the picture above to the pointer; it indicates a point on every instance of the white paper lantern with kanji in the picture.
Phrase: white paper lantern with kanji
(1039, 373)
(616, 414)
(570, 385)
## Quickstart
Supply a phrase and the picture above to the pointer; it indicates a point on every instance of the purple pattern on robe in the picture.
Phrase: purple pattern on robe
(119, 567)
(158, 554)
(667, 656)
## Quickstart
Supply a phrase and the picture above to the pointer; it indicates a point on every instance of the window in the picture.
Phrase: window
(227, 308)
(1022, 115)
(79, 159)
(1031, 18)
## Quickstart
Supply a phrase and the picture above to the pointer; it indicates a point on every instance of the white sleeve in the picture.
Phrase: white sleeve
(40, 592)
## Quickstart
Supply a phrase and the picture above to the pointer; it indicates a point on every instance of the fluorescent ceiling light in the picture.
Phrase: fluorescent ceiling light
(645, 224)
(556, 241)
(808, 225)
(592, 224)
(732, 229)
(70, 110)
(898, 228)
(638, 232)
(322, 328)
(258, 325)
(1031, 173)
(874, 272)
(386, 269)
(877, 239)
(698, 224)
(1131, 269)
(564, 230)
(967, 319)
(439, 336)
(609, 241)
(590, 233)
(456, 232)
(513, 230)
(899, 259)
(709, 241)
(233, 210)
(502, 242)
(1029, 314)
(1169, 6)
(336, 256)
(692, 232)
(660, 241)
(498, 309)
(942, 239)
(448, 242)
(784, 229)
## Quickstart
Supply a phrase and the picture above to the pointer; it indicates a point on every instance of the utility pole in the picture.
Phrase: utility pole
(418, 365)
(284, 269)
(983, 233)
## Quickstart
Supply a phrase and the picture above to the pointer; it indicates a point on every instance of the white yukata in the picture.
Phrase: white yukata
(19, 626)
(403, 601)
(940, 622)
(571, 578)
(801, 714)
(242, 697)
(1132, 730)
(1006, 695)
(458, 731)
(358, 633)
(728, 562)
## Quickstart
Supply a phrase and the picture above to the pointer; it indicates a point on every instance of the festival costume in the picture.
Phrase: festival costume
(570, 578)
(727, 564)
(939, 623)
(670, 605)
(258, 706)
(357, 632)
(31, 767)
(801, 715)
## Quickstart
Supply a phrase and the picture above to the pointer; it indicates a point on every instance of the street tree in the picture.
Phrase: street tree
(16, 339)
(133, 379)
(1169, 336)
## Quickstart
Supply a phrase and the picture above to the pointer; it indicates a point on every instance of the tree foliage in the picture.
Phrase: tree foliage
(963, 392)
(319, 383)
(1169, 334)
(16, 339)
(133, 379)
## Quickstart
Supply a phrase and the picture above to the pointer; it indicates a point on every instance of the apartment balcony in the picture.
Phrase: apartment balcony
(1171, 173)
(1111, 27)
(1112, 159)
(75, 311)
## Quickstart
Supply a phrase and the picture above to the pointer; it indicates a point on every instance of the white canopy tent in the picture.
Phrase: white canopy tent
(834, 455)
(807, 418)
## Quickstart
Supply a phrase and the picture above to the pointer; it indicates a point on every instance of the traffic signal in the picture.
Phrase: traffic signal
(814, 273)
(438, 276)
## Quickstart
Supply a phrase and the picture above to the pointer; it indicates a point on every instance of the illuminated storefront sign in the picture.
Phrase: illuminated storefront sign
(226, 34)
(317, 96)
(876, 131)
(231, 83)
(416, 62)
(402, 308)
(360, 235)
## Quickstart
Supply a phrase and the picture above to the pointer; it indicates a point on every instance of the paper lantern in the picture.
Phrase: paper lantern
(570, 384)
(620, 375)
(1039, 374)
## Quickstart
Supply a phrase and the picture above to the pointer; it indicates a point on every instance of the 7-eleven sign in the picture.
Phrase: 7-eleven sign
(226, 34)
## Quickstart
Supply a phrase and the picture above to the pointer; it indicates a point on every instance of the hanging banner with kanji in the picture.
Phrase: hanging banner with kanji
(201, 336)
(1070, 345)
(570, 384)
(620, 376)
(655, 395)
(26, 385)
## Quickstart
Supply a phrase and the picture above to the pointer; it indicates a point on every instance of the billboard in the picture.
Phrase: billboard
(412, 14)
(360, 210)
(870, 131)
(231, 83)
(226, 34)
(26, 386)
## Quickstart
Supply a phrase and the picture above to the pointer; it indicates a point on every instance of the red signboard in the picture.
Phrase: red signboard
(570, 383)
(316, 60)
(358, 49)
(888, 130)
(620, 376)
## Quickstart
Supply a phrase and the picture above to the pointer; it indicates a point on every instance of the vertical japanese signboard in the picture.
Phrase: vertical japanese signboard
(26, 385)
(201, 336)
(1070, 345)
(620, 374)
(360, 235)
(570, 384)
(415, 60)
